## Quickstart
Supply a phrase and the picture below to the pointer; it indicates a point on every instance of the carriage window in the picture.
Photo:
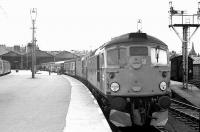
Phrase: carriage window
(158, 57)
(117, 56)
(138, 51)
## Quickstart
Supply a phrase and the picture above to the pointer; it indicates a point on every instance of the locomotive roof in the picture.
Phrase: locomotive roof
(134, 37)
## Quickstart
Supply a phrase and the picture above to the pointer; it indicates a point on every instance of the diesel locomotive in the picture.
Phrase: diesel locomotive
(4, 67)
(131, 75)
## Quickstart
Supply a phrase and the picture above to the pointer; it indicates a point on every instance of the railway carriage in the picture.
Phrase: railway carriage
(69, 67)
(58, 66)
(4, 67)
(53, 66)
(79, 65)
(131, 75)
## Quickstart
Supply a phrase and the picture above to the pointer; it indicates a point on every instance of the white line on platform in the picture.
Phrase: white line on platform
(95, 101)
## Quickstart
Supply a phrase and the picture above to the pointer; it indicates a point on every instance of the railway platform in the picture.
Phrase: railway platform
(84, 113)
(47, 103)
(192, 94)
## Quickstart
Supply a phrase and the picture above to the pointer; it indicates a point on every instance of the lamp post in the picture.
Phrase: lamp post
(33, 13)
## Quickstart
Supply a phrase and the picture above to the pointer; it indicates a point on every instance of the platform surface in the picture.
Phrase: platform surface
(192, 94)
(47, 103)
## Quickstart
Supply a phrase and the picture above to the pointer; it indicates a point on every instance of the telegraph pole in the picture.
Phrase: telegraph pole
(192, 23)
(33, 13)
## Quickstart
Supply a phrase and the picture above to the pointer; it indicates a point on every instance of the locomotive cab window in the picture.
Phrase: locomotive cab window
(117, 56)
(158, 56)
(138, 51)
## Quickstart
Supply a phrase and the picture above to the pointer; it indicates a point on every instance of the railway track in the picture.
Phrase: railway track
(186, 113)
(182, 111)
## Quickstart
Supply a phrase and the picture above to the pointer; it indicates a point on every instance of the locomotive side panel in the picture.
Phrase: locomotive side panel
(102, 86)
(92, 71)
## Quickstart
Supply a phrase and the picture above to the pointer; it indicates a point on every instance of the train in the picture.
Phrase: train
(130, 74)
(177, 68)
(56, 67)
(4, 67)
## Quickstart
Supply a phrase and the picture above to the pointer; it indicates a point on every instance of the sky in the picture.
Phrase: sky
(87, 24)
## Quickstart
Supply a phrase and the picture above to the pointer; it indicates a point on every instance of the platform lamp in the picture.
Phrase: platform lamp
(33, 13)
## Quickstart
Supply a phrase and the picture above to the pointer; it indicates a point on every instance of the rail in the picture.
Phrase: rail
(187, 113)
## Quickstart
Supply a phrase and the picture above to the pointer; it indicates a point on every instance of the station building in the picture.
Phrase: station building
(21, 58)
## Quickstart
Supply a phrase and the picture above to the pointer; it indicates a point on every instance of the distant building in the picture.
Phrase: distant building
(2, 46)
(196, 68)
(17, 48)
(80, 53)
(64, 55)
(21, 57)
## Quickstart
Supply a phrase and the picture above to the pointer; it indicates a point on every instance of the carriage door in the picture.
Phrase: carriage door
(100, 63)
(98, 69)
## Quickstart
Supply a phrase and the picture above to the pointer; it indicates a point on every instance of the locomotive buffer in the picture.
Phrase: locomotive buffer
(179, 19)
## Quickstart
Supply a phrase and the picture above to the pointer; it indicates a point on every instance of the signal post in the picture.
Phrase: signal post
(179, 19)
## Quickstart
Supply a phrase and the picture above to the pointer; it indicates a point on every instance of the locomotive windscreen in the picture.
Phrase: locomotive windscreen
(116, 56)
(138, 51)
(161, 58)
